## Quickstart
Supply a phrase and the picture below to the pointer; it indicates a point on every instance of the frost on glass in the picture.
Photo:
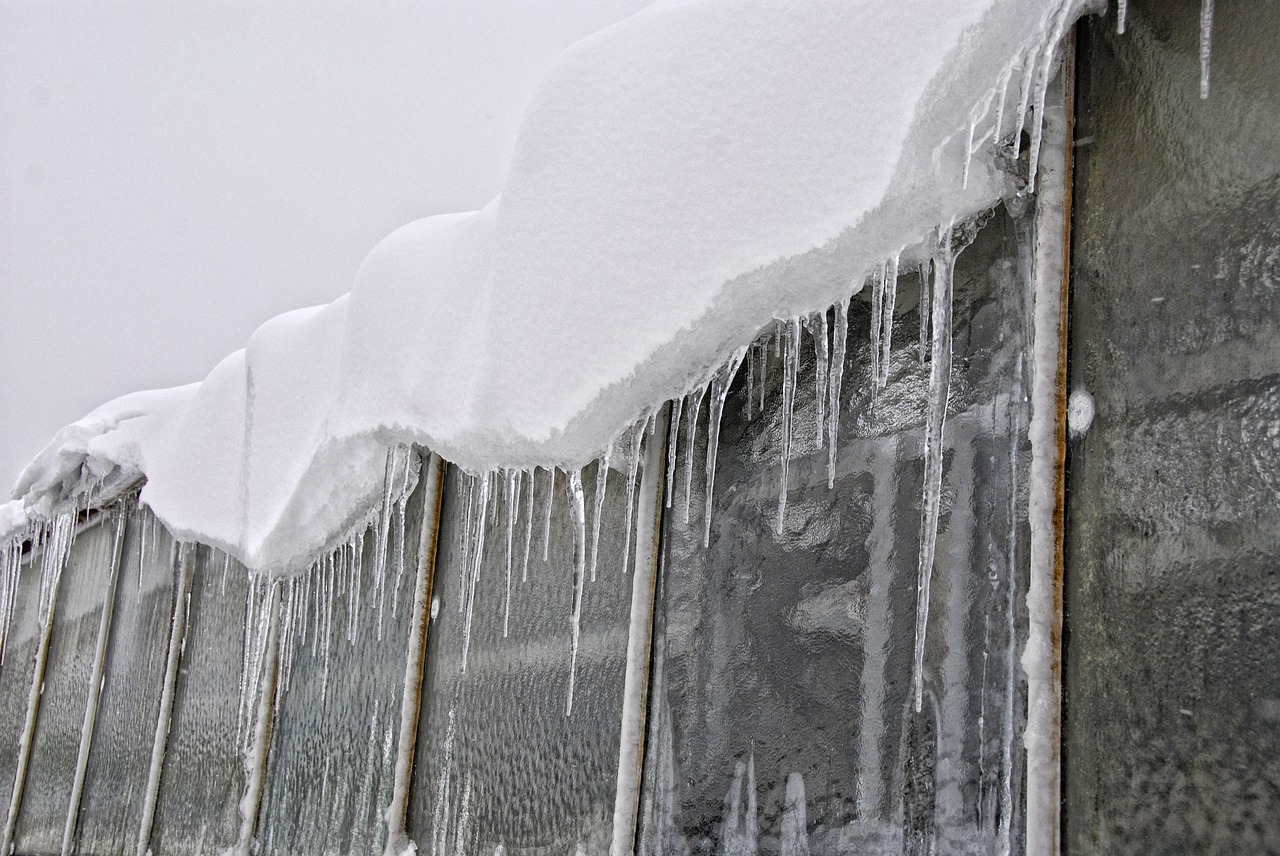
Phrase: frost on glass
(337, 717)
(501, 766)
(781, 715)
(67, 679)
(116, 775)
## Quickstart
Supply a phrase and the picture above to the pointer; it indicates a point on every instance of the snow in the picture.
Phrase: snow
(680, 180)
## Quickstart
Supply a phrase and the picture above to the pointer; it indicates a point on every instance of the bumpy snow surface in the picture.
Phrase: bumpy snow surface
(680, 180)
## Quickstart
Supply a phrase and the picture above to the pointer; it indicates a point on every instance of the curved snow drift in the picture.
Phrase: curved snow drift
(680, 180)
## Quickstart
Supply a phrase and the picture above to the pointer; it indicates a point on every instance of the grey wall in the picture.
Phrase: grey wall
(1171, 742)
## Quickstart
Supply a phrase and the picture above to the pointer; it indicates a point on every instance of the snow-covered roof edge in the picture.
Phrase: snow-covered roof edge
(680, 180)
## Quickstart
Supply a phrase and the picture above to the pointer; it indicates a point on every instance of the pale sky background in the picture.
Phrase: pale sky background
(173, 173)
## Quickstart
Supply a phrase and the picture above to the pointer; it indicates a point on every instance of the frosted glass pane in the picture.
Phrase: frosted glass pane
(67, 680)
(203, 776)
(780, 718)
(15, 675)
(117, 773)
(332, 755)
(499, 762)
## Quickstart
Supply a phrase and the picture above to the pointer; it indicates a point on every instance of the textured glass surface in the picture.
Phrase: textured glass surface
(67, 679)
(203, 777)
(15, 675)
(333, 747)
(499, 764)
(781, 718)
(116, 777)
(1171, 731)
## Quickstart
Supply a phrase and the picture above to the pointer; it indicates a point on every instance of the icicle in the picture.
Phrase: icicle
(464, 819)
(886, 334)
(822, 366)
(383, 529)
(1122, 11)
(751, 382)
(1042, 91)
(477, 560)
(764, 371)
(931, 500)
(528, 524)
(1024, 93)
(690, 435)
(839, 338)
(720, 383)
(577, 508)
(1206, 44)
(633, 469)
(546, 525)
(439, 815)
(673, 438)
(877, 323)
(464, 540)
(602, 484)
(410, 474)
(795, 834)
(1003, 86)
(513, 501)
(924, 312)
(790, 360)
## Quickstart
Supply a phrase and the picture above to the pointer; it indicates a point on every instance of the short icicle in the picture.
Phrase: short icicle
(886, 333)
(1122, 12)
(822, 368)
(795, 834)
(633, 470)
(720, 383)
(578, 510)
(931, 500)
(546, 523)
(673, 439)
(839, 338)
(690, 435)
(790, 360)
(528, 523)
(602, 485)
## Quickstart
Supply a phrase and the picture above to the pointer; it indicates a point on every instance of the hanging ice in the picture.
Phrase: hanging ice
(720, 383)
(839, 338)
(602, 484)
(795, 835)
(888, 304)
(577, 509)
(936, 412)
(690, 436)
(821, 359)
(791, 358)
(513, 502)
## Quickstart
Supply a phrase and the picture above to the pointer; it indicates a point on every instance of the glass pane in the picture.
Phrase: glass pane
(15, 674)
(117, 773)
(500, 764)
(197, 811)
(781, 717)
(333, 748)
(67, 681)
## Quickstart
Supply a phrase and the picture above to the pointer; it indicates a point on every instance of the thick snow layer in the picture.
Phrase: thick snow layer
(680, 180)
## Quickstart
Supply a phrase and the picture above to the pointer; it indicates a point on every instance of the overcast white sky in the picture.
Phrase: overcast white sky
(172, 174)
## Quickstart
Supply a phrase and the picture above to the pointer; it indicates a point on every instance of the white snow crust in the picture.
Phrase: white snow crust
(680, 180)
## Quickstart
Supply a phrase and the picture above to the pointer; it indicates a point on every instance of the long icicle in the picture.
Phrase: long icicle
(886, 332)
(1206, 44)
(789, 360)
(477, 560)
(839, 339)
(931, 501)
(877, 322)
(602, 485)
(513, 501)
(924, 312)
(1122, 12)
(577, 509)
(1042, 92)
(720, 383)
(690, 435)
